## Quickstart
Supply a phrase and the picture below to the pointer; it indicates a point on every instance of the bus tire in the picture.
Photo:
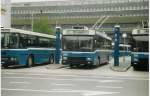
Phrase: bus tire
(51, 59)
(135, 68)
(71, 65)
(30, 61)
(108, 58)
(99, 63)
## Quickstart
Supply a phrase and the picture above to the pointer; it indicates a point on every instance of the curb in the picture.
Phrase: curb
(54, 66)
(119, 69)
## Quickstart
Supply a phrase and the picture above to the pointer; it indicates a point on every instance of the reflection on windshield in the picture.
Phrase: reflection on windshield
(77, 43)
(141, 46)
(9, 40)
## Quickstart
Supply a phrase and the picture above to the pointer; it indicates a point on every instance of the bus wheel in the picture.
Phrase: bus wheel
(135, 68)
(108, 58)
(99, 61)
(51, 59)
(30, 61)
(71, 65)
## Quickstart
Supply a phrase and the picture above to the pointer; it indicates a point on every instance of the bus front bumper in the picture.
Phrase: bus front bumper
(7, 61)
(141, 63)
(76, 61)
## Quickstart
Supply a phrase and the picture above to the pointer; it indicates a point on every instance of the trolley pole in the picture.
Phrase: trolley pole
(58, 45)
(116, 45)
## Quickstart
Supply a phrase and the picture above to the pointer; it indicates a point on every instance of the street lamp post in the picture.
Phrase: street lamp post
(32, 21)
(124, 35)
(116, 44)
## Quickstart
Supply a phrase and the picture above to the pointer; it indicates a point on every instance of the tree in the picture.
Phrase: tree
(42, 26)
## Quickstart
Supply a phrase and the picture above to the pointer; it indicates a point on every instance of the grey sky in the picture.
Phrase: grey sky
(33, 0)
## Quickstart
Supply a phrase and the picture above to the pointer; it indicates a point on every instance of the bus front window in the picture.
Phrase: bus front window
(13, 43)
(9, 40)
(4, 40)
(77, 43)
(140, 46)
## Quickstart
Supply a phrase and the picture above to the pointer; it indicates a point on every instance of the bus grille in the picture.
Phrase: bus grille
(143, 61)
(76, 60)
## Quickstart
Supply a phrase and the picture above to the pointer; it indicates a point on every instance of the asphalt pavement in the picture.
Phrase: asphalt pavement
(57, 80)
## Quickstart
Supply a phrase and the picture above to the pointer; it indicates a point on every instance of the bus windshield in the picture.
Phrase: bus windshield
(140, 46)
(77, 43)
(9, 40)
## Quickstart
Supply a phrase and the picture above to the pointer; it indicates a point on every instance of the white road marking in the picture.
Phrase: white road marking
(97, 93)
(72, 79)
(61, 89)
(62, 84)
(20, 82)
(58, 79)
(36, 74)
(82, 92)
(95, 77)
(75, 79)
(28, 77)
(8, 73)
(107, 81)
(110, 87)
(35, 78)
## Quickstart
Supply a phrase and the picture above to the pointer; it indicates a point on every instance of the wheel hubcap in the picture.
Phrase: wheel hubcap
(30, 61)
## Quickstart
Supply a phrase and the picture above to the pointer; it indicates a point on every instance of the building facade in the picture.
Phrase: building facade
(5, 14)
(128, 14)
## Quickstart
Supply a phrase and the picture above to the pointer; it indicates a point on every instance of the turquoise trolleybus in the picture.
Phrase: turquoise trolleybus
(20, 47)
(140, 49)
(85, 47)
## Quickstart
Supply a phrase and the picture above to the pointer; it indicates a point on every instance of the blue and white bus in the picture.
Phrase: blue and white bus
(20, 47)
(85, 47)
(140, 49)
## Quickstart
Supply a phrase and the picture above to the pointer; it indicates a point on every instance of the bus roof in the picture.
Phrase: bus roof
(13, 30)
(140, 34)
(85, 32)
(140, 31)
(78, 32)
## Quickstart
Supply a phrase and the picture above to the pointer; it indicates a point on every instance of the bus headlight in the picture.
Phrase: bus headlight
(65, 58)
(13, 59)
(88, 59)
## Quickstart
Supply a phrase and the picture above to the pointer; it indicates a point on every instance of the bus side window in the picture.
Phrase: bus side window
(13, 43)
(32, 41)
(43, 42)
(51, 43)
(23, 41)
(2, 40)
(97, 44)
